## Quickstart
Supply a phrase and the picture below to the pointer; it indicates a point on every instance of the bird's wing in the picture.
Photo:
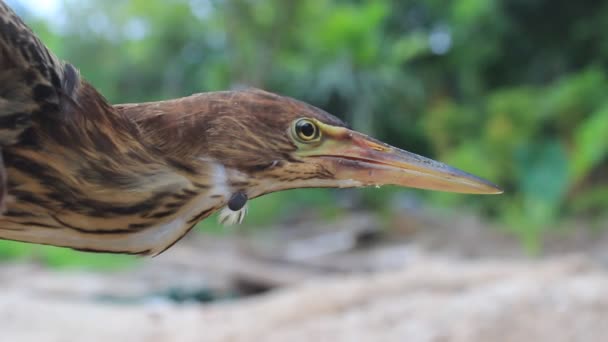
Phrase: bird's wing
(32, 79)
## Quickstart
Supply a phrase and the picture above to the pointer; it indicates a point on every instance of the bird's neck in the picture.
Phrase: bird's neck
(175, 128)
(153, 182)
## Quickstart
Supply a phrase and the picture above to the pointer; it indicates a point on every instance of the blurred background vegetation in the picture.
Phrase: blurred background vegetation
(513, 91)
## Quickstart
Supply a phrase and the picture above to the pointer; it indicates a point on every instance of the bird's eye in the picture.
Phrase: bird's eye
(306, 130)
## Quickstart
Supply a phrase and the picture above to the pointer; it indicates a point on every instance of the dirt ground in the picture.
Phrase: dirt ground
(456, 281)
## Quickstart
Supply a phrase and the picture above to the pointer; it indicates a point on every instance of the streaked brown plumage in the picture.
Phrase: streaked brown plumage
(134, 178)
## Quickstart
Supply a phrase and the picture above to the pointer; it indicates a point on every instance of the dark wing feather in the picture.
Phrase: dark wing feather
(31, 77)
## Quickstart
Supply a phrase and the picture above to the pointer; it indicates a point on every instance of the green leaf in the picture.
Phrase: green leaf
(543, 177)
(590, 144)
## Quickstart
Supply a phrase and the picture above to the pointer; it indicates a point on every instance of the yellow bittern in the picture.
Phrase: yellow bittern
(79, 172)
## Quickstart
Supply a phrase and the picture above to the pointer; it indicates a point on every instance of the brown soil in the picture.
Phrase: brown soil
(448, 282)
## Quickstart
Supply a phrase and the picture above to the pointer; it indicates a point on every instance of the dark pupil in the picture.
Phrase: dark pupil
(307, 129)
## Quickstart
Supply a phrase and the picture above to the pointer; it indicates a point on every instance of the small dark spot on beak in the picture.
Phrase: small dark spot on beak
(237, 201)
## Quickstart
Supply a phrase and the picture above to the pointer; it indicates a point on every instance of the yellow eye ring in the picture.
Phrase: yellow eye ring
(306, 130)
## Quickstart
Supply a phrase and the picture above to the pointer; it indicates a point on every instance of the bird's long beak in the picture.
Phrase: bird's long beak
(350, 155)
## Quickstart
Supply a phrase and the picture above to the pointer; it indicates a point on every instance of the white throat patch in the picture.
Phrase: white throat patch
(220, 181)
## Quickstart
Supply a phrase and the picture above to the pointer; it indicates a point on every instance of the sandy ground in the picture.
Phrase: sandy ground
(428, 295)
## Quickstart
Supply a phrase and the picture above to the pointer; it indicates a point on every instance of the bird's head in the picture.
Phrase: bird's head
(278, 143)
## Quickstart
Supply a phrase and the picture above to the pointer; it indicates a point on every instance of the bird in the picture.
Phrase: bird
(79, 172)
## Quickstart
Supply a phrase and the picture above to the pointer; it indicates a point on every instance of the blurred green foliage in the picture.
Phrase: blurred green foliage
(63, 257)
(513, 91)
